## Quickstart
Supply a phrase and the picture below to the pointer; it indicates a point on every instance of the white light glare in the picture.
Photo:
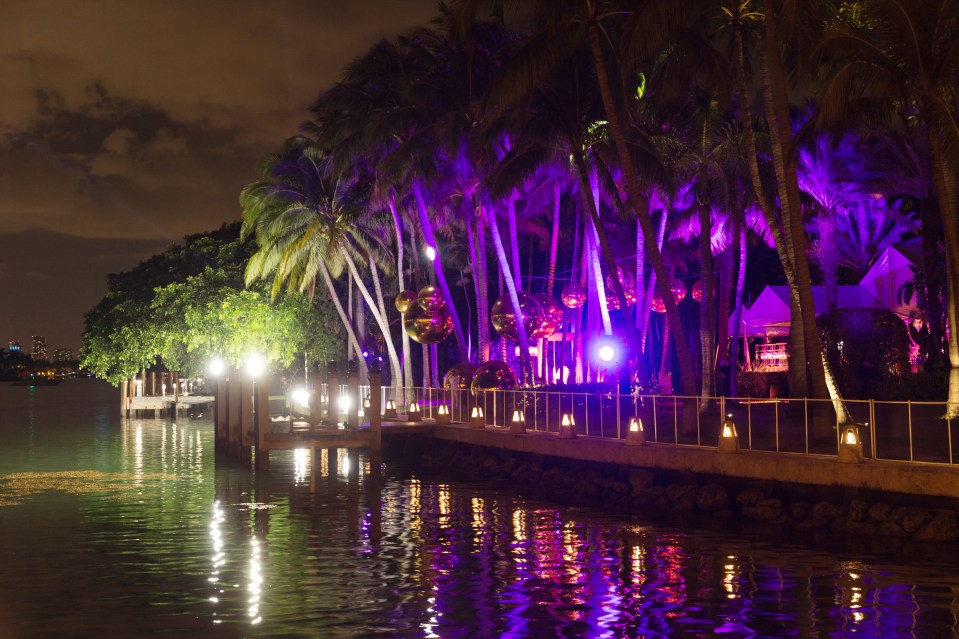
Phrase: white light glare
(216, 367)
(255, 365)
(430, 253)
(301, 396)
(607, 353)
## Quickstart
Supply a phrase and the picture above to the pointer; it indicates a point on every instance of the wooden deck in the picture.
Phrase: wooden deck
(165, 402)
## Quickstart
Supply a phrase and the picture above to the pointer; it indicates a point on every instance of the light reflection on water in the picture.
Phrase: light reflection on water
(121, 528)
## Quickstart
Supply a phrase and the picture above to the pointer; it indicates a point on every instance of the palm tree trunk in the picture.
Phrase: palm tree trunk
(798, 381)
(380, 320)
(707, 310)
(554, 240)
(740, 255)
(776, 102)
(514, 241)
(947, 189)
(651, 287)
(513, 295)
(351, 336)
(683, 352)
(596, 269)
(482, 296)
(427, 228)
(407, 380)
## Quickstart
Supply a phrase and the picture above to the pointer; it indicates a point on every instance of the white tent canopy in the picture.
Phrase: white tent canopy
(769, 314)
(889, 273)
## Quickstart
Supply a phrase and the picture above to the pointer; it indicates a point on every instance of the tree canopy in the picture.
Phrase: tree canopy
(189, 304)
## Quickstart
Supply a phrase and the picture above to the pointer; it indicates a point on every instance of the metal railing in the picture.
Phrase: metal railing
(888, 430)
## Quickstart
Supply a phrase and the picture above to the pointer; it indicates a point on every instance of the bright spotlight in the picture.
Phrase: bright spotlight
(430, 253)
(255, 365)
(301, 396)
(216, 366)
(606, 353)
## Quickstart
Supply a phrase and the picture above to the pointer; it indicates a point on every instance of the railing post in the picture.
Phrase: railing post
(699, 439)
(619, 421)
(805, 419)
(872, 428)
(655, 424)
(777, 429)
(949, 431)
(675, 420)
(909, 405)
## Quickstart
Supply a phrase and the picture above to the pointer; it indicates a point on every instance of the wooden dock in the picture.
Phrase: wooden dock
(243, 427)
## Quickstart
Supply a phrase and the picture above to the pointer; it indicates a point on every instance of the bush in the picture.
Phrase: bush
(757, 383)
(867, 348)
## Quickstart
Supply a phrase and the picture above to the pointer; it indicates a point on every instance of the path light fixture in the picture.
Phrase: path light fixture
(728, 440)
(443, 414)
(635, 436)
(413, 413)
(567, 427)
(390, 411)
(517, 425)
(850, 446)
(477, 418)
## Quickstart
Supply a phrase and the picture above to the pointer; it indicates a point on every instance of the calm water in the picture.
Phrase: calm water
(115, 528)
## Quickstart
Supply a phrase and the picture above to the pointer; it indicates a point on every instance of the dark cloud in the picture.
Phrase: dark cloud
(132, 124)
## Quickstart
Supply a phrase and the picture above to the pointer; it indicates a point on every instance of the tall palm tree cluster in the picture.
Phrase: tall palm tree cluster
(619, 155)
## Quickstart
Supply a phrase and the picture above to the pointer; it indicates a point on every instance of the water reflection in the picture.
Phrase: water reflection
(137, 530)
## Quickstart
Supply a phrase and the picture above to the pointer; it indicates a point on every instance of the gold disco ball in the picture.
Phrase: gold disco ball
(573, 295)
(430, 299)
(697, 291)
(552, 316)
(404, 300)
(612, 302)
(657, 304)
(505, 320)
(493, 375)
(427, 328)
(678, 290)
(459, 377)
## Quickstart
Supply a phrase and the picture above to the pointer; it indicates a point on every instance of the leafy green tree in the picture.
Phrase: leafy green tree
(188, 303)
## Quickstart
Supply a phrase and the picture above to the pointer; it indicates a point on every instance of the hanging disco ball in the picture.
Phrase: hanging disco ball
(505, 319)
(427, 328)
(404, 300)
(697, 291)
(612, 302)
(493, 375)
(459, 377)
(678, 290)
(552, 316)
(657, 304)
(430, 299)
(573, 295)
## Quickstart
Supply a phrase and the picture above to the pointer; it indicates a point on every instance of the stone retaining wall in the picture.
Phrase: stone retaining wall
(632, 490)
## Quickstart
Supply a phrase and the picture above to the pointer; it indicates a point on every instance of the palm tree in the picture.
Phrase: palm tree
(306, 221)
(562, 29)
(900, 56)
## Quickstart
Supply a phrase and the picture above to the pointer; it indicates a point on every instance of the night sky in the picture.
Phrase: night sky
(125, 125)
